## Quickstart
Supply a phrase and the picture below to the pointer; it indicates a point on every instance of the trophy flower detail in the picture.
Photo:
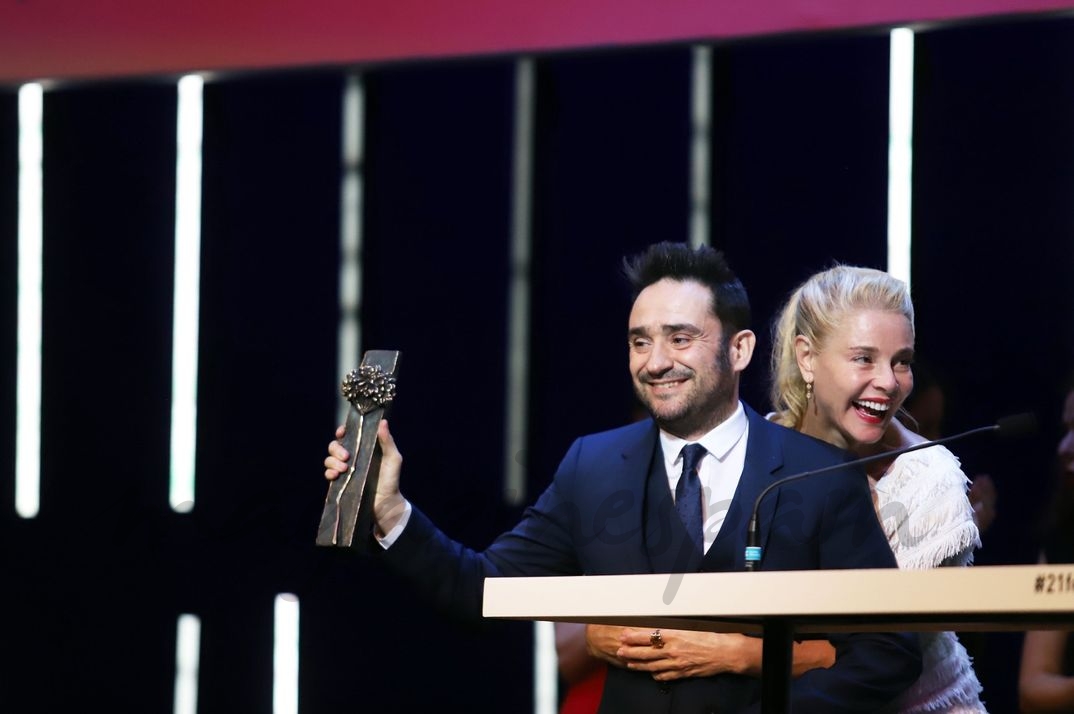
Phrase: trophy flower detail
(368, 387)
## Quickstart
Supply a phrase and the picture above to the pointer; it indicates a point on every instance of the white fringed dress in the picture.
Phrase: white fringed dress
(922, 504)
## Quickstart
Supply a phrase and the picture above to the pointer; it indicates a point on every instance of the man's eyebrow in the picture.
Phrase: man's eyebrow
(681, 327)
(667, 329)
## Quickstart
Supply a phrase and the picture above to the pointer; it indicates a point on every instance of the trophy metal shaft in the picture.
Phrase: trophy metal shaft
(348, 508)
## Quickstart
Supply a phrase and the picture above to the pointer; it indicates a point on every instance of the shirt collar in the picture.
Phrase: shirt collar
(717, 442)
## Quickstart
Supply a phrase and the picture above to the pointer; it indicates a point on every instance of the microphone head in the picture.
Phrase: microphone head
(1017, 425)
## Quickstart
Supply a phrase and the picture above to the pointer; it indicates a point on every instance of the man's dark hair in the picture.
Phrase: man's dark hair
(705, 265)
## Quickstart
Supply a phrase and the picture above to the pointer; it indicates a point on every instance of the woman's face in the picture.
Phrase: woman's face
(861, 376)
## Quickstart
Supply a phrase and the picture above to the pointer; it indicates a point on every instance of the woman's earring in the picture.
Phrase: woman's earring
(808, 391)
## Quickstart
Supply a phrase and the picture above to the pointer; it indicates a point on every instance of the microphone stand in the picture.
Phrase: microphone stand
(753, 548)
(778, 652)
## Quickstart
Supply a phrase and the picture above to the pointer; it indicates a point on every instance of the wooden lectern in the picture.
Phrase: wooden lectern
(782, 605)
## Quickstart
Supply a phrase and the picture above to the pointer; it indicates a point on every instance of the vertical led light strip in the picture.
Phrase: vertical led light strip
(545, 670)
(350, 239)
(900, 151)
(518, 308)
(185, 303)
(187, 649)
(285, 655)
(28, 358)
(700, 145)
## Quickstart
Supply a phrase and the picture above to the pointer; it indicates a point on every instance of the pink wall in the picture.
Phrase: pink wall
(41, 39)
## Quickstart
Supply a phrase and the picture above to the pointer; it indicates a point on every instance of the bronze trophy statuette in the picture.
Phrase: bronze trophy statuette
(349, 505)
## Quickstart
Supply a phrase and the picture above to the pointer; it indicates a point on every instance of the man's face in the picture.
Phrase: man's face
(680, 367)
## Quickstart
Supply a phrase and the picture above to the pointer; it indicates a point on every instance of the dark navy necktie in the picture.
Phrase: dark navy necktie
(688, 494)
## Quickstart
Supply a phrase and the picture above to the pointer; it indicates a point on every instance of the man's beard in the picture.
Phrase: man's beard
(699, 410)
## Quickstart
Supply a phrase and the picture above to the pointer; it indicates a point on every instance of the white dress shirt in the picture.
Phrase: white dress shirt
(721, 467)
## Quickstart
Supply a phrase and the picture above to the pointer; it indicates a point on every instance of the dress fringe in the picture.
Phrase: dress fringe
(928, 519)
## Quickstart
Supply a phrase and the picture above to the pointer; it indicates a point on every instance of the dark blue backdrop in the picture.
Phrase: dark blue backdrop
(799, 180)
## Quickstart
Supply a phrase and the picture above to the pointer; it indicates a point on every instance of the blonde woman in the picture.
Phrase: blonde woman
(841, 365)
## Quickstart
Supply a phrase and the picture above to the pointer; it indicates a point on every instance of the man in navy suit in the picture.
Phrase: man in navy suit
(611, 508)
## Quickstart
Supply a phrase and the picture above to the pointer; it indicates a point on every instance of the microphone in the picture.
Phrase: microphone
(1007, 427)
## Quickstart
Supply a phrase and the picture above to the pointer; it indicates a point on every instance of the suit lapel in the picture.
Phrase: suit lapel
(637, 455)
(664, 546)
(764, 456)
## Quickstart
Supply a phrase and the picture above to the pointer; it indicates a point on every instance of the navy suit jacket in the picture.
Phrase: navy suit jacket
(609, 511)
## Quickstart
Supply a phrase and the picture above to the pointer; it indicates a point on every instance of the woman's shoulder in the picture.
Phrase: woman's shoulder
(925, 511)
(929, 468)
(930, 479)
(926, 469)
